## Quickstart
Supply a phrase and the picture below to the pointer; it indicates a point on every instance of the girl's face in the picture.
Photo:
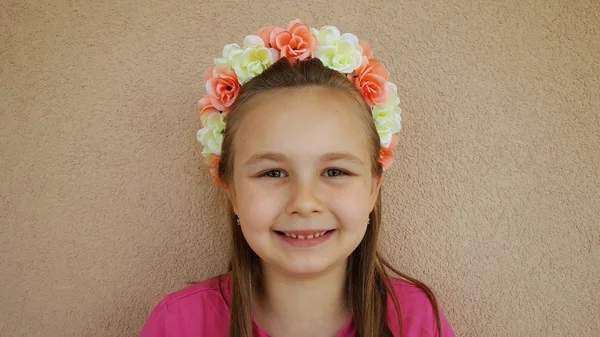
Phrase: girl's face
(302, 186)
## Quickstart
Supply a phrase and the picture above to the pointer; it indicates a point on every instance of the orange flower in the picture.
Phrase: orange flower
(205, 108)
(222, 87)
(367, 51)
(213, 165)
(267, 34)
(371, 80)
(296, 43)
(386, 156)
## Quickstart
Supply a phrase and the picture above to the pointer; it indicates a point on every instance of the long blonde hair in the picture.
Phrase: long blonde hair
(367, 281)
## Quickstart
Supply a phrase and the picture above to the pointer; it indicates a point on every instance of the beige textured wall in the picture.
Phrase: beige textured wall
(105, 205)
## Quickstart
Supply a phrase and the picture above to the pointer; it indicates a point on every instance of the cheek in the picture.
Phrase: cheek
(257, 209)
(351, 207)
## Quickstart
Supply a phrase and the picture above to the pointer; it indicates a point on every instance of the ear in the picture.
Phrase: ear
(230, 193)
(376, 187)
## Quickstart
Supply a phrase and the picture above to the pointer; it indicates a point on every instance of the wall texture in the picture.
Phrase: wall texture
(105, 205)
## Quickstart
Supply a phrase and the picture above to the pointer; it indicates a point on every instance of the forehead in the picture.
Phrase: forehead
(303, 122)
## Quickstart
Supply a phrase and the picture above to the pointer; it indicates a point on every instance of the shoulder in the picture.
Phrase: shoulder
(415, 306)
(216, 288)
(409, 294)
(416, 311)
(197, 309)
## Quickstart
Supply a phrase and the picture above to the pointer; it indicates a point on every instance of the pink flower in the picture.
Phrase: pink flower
(386, 156)
(267, 34)
(371, 79)
(222, 87)
(205, 108)
(296, 43)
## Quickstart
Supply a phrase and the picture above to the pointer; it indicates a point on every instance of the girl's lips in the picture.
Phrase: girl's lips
(304, 239)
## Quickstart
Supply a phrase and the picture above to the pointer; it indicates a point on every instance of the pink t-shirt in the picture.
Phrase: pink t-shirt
(200, 310)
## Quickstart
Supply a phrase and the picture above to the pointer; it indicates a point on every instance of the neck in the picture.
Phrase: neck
(308, 306)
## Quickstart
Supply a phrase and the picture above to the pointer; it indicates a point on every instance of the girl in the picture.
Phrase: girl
(311, 121)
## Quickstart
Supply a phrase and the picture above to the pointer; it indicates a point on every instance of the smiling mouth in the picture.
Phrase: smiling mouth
(304, 235)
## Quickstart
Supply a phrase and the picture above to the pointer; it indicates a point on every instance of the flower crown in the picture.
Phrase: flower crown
(344, 53)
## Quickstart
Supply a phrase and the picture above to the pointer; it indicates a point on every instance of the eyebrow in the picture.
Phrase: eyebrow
(277, 156)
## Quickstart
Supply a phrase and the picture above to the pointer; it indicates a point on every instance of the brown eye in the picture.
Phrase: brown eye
(274, 174)
(334, 173)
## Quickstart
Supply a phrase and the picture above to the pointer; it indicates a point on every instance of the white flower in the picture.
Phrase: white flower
(228, 51)
(342, 53)
(388, 116)
(211, 137)
(249, 60)
(393, 98)
(327, 35)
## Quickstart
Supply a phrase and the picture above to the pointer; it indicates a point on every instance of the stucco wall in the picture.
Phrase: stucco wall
(106, 206)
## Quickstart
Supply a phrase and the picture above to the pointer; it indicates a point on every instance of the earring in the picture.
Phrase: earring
(237, 219)
(369, 221)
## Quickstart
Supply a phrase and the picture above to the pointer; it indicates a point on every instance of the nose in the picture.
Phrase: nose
(304, 198)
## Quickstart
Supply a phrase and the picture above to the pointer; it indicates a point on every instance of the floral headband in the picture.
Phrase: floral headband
(341, 52)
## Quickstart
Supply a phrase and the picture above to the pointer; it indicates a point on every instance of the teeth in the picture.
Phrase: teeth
(302, 237)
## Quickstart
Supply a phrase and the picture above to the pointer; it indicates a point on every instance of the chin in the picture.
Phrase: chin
(307, 267)
(304, 258)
